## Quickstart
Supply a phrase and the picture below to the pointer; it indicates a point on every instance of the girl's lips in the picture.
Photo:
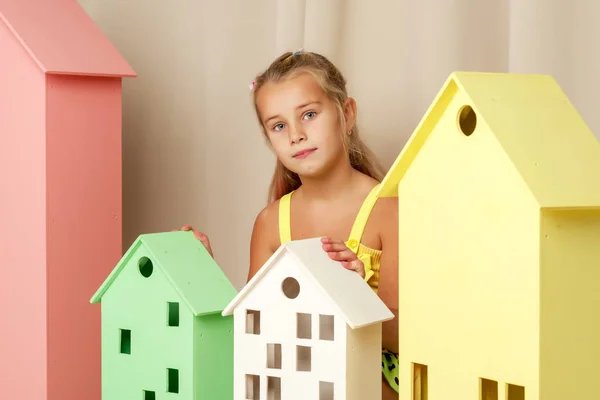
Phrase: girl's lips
(304, 153)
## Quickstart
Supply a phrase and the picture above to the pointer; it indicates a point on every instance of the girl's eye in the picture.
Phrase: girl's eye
(309, 114)
(278, 127)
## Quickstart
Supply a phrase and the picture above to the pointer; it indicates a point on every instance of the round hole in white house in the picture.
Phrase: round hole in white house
(290, 288)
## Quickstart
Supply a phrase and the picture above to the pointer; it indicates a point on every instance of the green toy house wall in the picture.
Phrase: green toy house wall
(214, 352)
(140, 351)
(163, 335)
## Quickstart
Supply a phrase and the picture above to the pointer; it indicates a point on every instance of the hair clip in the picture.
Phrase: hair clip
(297, 52)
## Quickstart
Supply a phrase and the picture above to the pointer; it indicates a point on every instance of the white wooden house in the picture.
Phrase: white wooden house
(306, 328)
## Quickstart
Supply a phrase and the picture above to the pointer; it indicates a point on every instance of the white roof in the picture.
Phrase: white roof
(350, 295)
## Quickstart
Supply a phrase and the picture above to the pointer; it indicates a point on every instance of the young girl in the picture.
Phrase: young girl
(325, 183)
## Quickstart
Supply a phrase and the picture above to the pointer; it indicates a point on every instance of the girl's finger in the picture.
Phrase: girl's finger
(200, 236)
(355, 266)
(205, 241)
(344, 255)
(335, 247)
(328, 240)
(348, 265)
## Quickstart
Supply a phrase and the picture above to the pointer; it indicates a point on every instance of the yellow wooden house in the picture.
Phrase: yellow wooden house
(499, 234)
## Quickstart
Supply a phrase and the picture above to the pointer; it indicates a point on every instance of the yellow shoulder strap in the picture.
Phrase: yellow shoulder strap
(361, 219)
(285, 229)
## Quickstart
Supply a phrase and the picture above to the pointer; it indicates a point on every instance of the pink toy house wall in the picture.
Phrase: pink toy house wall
(60, 195)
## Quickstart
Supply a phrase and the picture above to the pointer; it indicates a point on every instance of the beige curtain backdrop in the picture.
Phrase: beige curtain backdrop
(193, 153)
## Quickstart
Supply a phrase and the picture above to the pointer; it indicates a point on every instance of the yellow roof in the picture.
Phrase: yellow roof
(542, 133)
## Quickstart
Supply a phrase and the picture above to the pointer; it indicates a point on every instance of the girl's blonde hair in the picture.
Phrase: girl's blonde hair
(333, 83)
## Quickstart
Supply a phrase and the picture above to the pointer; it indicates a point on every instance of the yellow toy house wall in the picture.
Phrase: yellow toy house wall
(570, 296)
(467, 234)
(499, 244)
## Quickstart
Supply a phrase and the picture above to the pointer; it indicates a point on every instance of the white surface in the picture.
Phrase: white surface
(346, 290)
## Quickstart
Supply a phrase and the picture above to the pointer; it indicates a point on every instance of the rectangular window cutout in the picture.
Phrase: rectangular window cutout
(172, 380)
(419, 381)
(488, 389)
(253, 322)
(173, 314)
(125, 342)
(252, 387)
(326, 327)
(326, 391)
(273, 388)
(303, 358)
(149, 395)
(303, 326)
(274, 355)
(515, 392)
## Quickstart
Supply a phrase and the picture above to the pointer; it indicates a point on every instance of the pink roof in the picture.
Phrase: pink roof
(62, 39)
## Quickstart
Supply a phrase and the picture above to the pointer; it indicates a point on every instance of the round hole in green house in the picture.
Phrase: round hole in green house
(145, 266)
(467, 120)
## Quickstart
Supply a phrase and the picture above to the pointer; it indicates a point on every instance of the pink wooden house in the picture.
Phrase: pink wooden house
(60, 195)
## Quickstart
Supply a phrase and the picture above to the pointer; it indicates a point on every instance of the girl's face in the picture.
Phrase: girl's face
(302, 125)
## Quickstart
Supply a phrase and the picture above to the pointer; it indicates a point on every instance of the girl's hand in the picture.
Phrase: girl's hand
(337, 250)
(201, 237)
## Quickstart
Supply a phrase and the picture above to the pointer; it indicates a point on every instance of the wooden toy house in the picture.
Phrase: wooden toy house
(60, 196)
(499, 244)
(163, 335)
(306, 328)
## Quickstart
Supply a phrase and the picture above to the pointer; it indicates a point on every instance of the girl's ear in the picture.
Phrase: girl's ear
(350, 114)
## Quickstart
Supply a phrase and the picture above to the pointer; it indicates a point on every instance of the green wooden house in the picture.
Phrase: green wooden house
(163, 335)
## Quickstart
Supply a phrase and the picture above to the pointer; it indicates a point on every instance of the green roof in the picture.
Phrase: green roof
(188, 267)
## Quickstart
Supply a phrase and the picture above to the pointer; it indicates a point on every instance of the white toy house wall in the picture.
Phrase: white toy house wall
(289, 343)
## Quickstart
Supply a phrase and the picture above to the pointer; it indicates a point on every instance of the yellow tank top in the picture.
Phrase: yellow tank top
(371, 258)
